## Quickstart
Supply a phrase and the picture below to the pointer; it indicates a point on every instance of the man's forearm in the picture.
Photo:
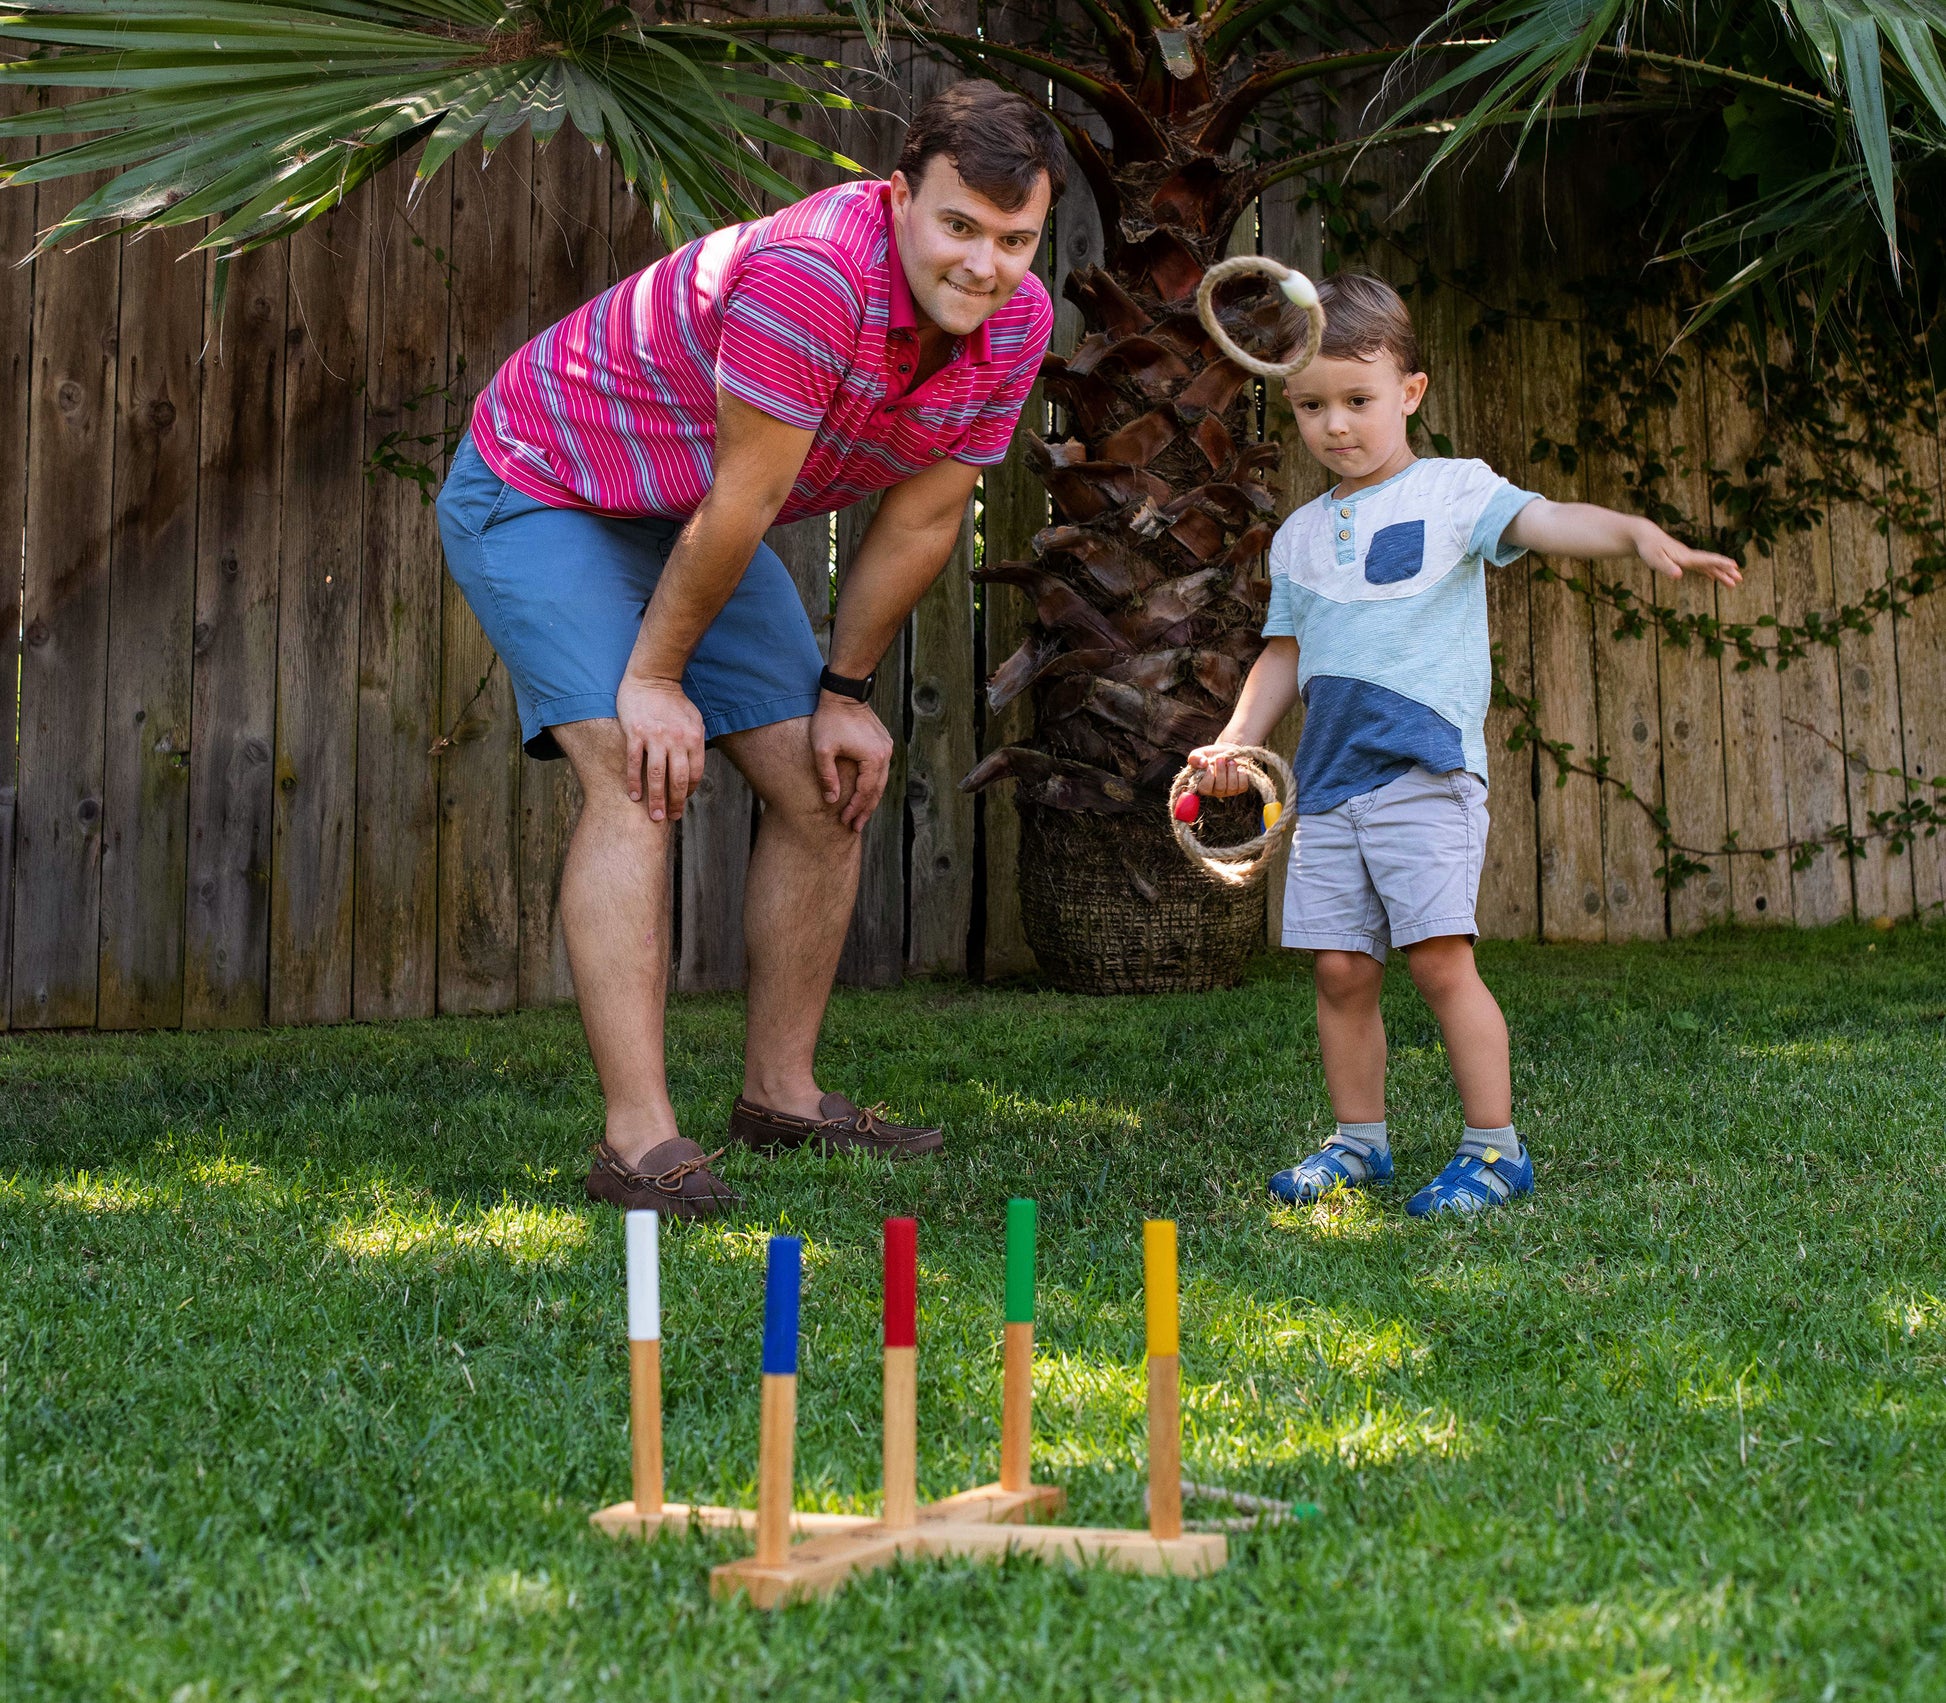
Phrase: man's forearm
(887, 578)
(708, 560)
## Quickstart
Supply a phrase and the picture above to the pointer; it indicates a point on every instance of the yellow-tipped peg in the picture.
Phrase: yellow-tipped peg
(1159, 1285)
(1273, 812)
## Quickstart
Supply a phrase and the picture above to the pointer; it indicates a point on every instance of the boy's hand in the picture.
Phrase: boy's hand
(1218, 776)
(1670, 556)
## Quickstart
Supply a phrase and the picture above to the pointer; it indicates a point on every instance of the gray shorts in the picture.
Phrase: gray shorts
(1391, 867)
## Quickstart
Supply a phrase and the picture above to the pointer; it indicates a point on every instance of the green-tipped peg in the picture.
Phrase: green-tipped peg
(1021, 1219)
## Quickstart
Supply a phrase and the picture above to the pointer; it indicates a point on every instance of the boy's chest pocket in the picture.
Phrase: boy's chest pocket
(1397, 552)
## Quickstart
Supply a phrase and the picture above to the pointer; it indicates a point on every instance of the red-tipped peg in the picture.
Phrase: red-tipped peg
(901, 1283)
(1189, 807)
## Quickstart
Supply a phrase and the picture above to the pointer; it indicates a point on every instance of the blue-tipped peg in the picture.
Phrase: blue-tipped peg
(783, 1280)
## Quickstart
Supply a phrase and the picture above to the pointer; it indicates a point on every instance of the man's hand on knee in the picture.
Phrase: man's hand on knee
(663, 734)
(844, 734)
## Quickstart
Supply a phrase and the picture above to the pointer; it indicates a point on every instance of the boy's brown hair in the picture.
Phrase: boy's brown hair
(1364, 317)
(999, 142)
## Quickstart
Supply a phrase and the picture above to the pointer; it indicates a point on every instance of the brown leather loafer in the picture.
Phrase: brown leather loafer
(673, 1178)
(841, 1128)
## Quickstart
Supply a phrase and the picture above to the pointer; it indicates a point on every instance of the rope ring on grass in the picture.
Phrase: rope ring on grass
(1297, 289)
(1239, 865)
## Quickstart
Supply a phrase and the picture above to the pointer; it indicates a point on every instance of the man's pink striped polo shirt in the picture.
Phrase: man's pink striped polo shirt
(805, 315)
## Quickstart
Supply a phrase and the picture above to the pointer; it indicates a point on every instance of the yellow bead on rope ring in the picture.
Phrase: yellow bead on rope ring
(1238, 865)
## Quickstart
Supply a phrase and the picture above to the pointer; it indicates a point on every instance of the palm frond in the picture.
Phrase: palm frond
(261, 118)
(1869, 69)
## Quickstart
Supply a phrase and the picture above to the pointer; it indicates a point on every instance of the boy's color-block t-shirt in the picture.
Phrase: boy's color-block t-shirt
(1385, 592)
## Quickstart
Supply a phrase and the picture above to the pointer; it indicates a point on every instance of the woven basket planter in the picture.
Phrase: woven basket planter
(1109, 904)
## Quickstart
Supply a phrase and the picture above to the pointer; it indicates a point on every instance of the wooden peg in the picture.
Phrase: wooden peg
(640, 1230)
(1165, 1374)
(901, 1373)
(777, 1428)
(1017, 1386)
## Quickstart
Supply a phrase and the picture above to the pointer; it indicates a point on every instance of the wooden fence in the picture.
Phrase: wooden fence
(266, 770)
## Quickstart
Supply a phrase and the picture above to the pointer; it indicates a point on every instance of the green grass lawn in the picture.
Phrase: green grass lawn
(314, 1362)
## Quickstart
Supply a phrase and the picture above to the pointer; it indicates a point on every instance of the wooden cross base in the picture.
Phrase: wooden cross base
(985, 1505)
(981, 1522)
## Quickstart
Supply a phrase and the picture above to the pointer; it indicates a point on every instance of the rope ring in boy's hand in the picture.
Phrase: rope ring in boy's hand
(1297, 289)
(1239, 865)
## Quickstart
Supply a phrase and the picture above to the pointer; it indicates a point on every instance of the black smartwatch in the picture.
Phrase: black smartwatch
(843, 686)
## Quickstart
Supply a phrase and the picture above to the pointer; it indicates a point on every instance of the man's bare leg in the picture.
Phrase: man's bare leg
(797, 905)
(615, 911)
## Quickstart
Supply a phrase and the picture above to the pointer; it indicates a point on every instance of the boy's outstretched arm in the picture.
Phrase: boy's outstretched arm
(1586, 530)
(1267, 696)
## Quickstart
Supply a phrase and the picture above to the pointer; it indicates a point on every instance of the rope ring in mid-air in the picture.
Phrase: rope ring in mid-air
(1297, 289)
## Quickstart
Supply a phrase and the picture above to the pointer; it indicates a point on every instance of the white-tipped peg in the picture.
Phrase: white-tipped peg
(644, 1277)
(1299, 290)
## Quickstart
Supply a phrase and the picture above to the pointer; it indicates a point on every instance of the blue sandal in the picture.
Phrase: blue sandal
(1339, 1163)
(1473, 1183)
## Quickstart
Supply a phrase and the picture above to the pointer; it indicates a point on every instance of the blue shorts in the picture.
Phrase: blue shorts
(560, 594)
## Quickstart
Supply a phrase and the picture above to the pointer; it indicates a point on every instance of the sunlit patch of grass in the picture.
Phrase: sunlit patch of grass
(220, 1171)
(1238, 1326)
(1918, 1313)
(1079, 1115)
(95, 1191)
(1700, 1630)
(522, 1234)
(1339, 1215)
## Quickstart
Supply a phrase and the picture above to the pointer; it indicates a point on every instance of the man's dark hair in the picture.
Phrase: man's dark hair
(999, 143)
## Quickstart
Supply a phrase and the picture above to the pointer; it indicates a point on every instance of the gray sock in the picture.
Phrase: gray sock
(1475, 1143)
(1359, 1145)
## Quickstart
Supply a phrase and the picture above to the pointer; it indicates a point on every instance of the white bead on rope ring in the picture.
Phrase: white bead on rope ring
(1297, 289)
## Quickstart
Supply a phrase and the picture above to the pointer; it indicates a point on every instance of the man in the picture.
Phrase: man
(605, 520)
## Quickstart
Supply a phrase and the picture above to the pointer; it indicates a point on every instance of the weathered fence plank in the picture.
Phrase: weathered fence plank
(1568, 816)
(1868, 684)
(1813, 717)
(16, 365)
(716, 830)
(1922, 698)
(151, 614)
(940, 893)
(1922, 679)
(477, 771)
(395, 881)
(63, 667)
(1482, 367)
(1692, 685)
(233, 718)
(1753, 725)
(317, 620)
(1628, 683)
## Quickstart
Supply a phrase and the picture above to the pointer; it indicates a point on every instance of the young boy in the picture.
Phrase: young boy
(1378, 621)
